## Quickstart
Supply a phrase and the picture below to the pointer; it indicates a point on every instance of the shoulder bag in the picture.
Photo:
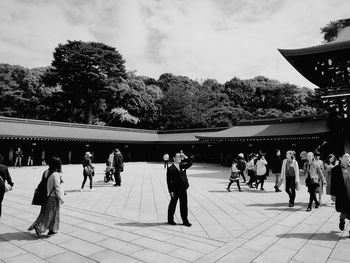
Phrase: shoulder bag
(7, 186)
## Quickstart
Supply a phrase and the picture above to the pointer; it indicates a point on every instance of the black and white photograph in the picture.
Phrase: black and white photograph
(175, 131)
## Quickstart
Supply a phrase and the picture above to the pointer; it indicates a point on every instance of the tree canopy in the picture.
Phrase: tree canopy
(86, 72)
(88, 82)
(330, 31)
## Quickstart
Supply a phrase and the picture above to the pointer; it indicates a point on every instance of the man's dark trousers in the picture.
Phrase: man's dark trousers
(182, 195)
(117, 177)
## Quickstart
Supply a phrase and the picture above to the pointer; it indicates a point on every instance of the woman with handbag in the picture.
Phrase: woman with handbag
(290, 176)
(49, 216)
(4, 177)
(234, 176)
(88, 170)
(313, 174)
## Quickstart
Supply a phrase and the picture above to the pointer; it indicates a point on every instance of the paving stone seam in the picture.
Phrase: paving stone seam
(230, 204)
(112, 201)
(141, 193)
(113, 217)
(340, 237)
(219, 208)
(129, 194)
(141, 236)
(47, 240)
(43, 240)
(301, 247)
(253, 237)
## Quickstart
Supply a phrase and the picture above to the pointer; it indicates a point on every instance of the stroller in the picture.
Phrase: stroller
(108, 173)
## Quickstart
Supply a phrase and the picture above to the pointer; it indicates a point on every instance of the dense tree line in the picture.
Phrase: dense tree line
(88, 83)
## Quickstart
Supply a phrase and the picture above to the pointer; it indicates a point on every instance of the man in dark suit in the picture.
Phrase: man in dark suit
(177, 185)
(118, 165)
(340, 188)
(4, 176)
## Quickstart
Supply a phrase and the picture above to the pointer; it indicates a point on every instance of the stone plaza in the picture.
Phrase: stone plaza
(128, 223)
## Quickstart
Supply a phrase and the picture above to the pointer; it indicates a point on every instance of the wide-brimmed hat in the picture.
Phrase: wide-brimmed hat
(88, 154)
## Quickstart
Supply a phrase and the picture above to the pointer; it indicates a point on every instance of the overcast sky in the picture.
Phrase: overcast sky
(200, 39)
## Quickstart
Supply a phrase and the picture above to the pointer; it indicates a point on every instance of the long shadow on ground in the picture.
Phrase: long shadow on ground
(331, 236)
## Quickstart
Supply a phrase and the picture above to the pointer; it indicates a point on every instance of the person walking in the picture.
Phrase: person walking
(118, 167)
(241, 165)
(166, 160)
(276, 166)
(250, 169)
(313, 175)
(290, 176)
(4, 177)
(88, 171)
(49, 217)
(260, 171)
(30, 157)
(234, 176)
(329, 164)
(321, 164)
(19, 156)
(177, 185)
(340, 189)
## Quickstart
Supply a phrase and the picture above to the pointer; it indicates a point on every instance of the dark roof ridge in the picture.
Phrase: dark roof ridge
(283, 120)
(73, 125)
(326, 47)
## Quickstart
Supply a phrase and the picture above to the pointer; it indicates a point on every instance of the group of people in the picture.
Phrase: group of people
(19, 156)
(115, 165)
(255, 167)
(333, 174)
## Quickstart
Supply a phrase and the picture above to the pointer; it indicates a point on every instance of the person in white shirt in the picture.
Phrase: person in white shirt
(260, 171)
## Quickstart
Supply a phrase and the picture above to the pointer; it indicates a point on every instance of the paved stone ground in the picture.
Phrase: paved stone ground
(128, 223)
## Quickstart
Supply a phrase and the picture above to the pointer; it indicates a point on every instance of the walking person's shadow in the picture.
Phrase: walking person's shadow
(18, 236)
(331, 236)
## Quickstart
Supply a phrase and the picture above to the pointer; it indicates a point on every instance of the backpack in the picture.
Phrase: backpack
(40, 193)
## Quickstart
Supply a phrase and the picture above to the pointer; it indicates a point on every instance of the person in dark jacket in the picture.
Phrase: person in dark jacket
(241, 165)
(276, 165)
(88, 171)
(340, 189)
(118, 167)
(4, 176)
(177, 185)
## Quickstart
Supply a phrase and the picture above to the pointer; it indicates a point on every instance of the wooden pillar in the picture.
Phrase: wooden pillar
(43, 154)
(11, 161)
(346, 136)
(69, 156)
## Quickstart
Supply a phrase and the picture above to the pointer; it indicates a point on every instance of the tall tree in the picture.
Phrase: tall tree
(330, 31)
(86, 72)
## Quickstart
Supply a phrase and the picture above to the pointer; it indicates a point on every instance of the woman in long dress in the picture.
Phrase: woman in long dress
(49, 216)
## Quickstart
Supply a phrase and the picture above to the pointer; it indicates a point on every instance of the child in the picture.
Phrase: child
(234, 176)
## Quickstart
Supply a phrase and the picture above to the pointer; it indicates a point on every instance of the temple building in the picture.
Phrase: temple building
(69, 141)
(328, 67)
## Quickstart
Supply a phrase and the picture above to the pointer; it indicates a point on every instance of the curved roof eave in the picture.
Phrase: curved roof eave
(328, 47)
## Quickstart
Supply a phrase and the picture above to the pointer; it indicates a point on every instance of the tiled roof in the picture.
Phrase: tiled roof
(304, 128)
(47, 130)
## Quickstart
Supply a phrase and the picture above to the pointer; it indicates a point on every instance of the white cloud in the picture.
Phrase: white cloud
(198, 38)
